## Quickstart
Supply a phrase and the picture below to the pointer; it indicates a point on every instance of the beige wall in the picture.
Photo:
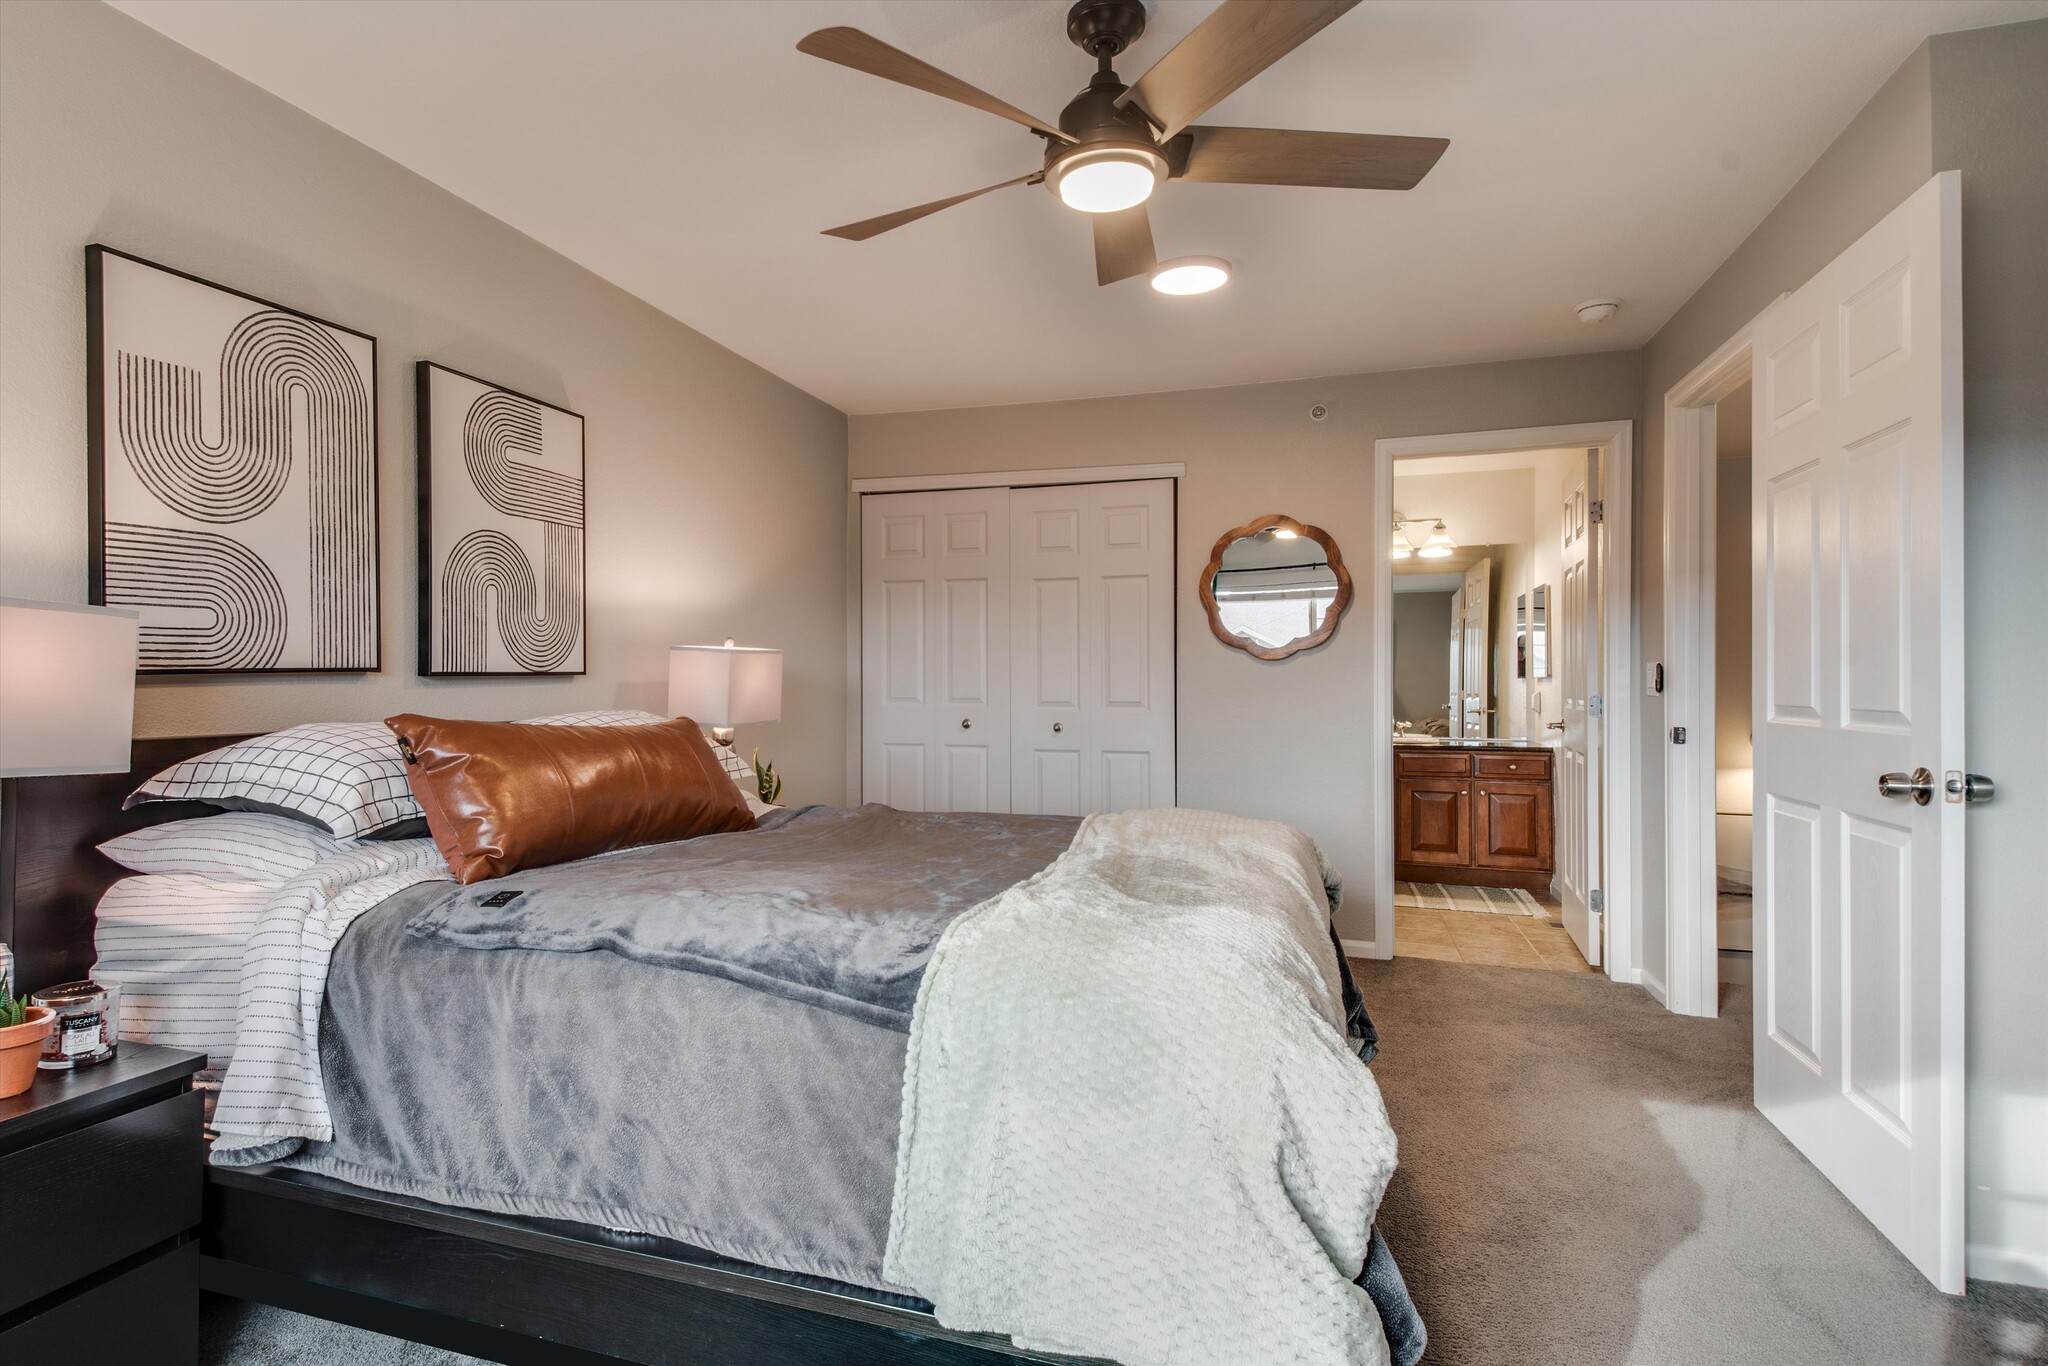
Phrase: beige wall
(1991, 122)
(1283, 740)
(716, 491)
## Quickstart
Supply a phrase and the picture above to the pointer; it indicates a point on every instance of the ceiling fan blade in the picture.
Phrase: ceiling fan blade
(851, 47)
(1288, 156)
(875, 227)
(1123, 245)
(1236, 42)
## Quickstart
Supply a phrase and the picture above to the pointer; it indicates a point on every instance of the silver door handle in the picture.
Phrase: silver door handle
(966, 724)
(1919, 786)
(1968, 787)
(1057, 728)
(1555, 725)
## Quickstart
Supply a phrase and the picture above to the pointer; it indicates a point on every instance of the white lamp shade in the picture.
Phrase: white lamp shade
(67, 688)
(725, 685)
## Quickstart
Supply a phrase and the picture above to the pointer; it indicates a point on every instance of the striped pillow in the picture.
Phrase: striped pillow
(239, 846)
(173, 944)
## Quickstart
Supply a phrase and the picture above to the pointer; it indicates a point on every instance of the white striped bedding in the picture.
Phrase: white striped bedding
(240, 846)
(173, 944)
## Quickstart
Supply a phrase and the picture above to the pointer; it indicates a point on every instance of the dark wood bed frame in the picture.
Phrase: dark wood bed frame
(494, 1286)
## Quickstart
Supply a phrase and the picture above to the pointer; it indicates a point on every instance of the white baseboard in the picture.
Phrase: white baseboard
(1653, 985)
(1735, 877)
(2011, 1266)
(1362, 948)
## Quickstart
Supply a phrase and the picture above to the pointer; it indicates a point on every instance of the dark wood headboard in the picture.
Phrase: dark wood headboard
(51, 873)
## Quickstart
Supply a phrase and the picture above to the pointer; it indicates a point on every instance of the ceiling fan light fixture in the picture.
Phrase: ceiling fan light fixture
(1191, 275)
(1106, 179)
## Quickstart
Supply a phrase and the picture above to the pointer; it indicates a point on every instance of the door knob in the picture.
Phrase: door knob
(966, 724)
(1968, 787)
(1919, 786)
(1057, 728)
(1555, 725)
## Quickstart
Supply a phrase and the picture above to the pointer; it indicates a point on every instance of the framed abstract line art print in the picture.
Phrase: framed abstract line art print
(232, 476)
(501, 530)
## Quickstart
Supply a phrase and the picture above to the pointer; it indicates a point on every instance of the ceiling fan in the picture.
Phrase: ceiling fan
(1115, 144)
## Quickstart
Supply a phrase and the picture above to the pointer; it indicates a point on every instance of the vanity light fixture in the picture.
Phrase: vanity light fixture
(1439, 545)
(1191, 275)
(1401, 549)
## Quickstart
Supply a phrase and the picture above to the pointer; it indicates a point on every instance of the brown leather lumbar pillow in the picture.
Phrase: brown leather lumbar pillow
(500, 796)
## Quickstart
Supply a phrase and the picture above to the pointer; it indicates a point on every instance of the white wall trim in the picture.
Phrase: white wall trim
(1620, 831)
(2009, 1265)
(1016, 479)
(1691, 970)
(1360, 948)
(991, 479)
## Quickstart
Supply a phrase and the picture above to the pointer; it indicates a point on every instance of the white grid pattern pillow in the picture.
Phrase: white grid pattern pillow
(347, 777)
(240, 846)
(173, 944)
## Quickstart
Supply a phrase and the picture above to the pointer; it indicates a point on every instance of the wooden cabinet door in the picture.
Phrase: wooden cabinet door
(1431, 825)
(1511, 825)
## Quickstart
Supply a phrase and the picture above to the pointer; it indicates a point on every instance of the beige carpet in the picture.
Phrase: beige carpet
(1584, 1180)
(1447, 896)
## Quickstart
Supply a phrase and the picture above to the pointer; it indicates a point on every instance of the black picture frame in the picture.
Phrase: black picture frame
(429, 614)
(96, 255)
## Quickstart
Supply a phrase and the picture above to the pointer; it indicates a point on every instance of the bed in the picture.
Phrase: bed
(769, 1261)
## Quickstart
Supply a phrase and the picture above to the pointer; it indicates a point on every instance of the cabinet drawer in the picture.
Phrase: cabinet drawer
(86, 1199)
(1531, 767)
(147, 1313)
(1433, 765)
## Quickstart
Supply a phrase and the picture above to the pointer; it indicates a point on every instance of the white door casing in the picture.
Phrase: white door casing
(1574, 640)
(1857, 542)
(935, 650)
(1092, 647)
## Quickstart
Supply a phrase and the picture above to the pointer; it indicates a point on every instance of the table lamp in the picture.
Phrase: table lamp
(722, 686)
(67, 688)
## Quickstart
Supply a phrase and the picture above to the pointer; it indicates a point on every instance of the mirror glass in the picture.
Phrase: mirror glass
(1532, 629)
(1275, 587)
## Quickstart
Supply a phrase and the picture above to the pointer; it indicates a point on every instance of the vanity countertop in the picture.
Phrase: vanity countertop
(1449, 742)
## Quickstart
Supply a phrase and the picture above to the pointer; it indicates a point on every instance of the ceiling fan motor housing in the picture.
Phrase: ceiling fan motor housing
(1098, 128)
(1106, 28)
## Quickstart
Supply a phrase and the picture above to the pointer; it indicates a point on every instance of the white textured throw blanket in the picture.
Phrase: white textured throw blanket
(1133, 1126)
(272, 1096)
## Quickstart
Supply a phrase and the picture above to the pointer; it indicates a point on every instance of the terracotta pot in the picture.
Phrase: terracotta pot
(20, 1046)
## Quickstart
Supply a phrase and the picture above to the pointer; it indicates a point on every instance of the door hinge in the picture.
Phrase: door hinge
(1597, 510)
(1597, 903)
(1678, 735)
(1596, 706)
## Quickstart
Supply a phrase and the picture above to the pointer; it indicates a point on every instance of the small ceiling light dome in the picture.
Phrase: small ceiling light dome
(1106, 179)
(1281, 533)
(1439, 545)
(1598, 310)
(1191, 275)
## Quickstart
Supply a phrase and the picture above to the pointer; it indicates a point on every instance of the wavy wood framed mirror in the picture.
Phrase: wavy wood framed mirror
(1275, 587)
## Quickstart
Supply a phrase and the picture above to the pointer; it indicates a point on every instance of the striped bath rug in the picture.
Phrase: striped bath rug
(1443, 896)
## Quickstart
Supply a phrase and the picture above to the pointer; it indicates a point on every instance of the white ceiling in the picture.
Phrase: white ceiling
(689, 153)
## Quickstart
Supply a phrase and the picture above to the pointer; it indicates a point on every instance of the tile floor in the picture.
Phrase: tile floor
(1515, 941)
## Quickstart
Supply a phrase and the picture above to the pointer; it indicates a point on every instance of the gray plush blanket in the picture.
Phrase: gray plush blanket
(830, 907)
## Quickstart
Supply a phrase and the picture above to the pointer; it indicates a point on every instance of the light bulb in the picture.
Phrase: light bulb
(1439, 545)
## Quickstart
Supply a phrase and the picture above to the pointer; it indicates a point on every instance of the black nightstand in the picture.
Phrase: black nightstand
(100, 1173)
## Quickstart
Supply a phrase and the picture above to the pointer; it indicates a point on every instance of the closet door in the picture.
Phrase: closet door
(1092, 655)
(935, 650)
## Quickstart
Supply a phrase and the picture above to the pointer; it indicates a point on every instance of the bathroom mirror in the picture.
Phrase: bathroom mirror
(1274, 587)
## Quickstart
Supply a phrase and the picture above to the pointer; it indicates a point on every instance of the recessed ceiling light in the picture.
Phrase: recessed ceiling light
(1106, 179)
(1191, 275)
(1281, 533)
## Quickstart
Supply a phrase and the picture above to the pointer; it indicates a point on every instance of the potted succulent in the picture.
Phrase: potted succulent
(23, 1028)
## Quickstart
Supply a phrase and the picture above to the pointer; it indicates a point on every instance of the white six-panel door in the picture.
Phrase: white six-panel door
(1092, 647)
(935, 650)
(1857, 557)
(1575, 645)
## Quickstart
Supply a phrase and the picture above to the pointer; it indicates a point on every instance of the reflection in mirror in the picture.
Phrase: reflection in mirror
(1275, 587)
(1539, 631)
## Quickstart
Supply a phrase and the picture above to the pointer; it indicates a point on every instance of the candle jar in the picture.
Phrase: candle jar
(88, 1025)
